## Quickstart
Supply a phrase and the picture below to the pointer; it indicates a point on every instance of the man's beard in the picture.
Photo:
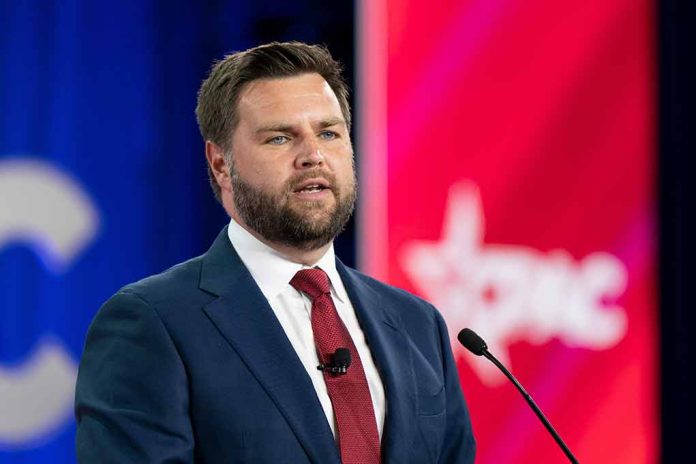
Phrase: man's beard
(272, 216)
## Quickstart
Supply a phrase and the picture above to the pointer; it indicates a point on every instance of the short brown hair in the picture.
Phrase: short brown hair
(218, 96)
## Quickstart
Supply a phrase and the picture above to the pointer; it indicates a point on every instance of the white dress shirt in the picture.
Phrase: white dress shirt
(272, 274)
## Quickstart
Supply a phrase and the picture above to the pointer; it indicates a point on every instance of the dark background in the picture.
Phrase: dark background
(677, 191)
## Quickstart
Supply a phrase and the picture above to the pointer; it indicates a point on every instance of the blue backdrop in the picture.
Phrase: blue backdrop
(102, 173)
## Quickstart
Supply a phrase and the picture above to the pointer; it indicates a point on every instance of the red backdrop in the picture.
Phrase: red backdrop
(507, 167)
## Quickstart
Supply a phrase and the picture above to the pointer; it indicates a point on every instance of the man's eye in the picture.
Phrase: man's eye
(278, 140)
(328, 135)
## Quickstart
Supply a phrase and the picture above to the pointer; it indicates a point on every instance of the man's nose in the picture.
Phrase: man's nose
(310, 154)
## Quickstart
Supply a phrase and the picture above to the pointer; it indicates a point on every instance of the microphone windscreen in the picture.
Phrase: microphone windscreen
(341, 357)
(472, 342)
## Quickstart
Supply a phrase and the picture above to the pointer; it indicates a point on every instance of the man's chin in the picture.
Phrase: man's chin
(315, 225)
(302, 204)
(313, 212)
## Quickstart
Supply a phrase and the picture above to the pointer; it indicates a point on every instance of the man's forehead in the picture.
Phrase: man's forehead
(285, 90)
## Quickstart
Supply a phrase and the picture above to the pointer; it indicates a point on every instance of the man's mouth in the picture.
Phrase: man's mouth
(312, 188)
(312, 185)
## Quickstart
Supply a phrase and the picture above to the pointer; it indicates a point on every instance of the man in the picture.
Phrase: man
(267, 349)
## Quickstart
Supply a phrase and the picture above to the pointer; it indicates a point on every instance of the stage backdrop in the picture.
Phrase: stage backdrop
(507, 168)
(102, 174)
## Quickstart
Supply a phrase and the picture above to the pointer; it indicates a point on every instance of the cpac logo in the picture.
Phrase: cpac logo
(43, 208)
(510, 293)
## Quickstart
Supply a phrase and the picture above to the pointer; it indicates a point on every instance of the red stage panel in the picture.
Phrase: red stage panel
(507, 167)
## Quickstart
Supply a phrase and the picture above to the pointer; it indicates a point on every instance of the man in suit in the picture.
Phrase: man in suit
(267, 349)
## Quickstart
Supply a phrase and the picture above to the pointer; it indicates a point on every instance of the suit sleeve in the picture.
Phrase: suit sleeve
(131, 400)
(459, 445)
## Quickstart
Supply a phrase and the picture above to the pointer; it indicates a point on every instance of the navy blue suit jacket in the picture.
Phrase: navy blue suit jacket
(191, 365)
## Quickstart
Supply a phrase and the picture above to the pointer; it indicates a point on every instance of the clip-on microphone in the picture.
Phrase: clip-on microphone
(340, 361)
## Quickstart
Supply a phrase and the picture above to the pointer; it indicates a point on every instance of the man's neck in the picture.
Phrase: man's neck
(291, 253)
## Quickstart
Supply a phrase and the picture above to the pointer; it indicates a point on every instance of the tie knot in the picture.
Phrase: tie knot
(312, 282)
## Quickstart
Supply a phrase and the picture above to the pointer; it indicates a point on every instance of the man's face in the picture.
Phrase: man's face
(293, 179)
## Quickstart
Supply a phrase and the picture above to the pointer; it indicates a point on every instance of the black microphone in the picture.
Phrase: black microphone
(340, 361)
(472, 342)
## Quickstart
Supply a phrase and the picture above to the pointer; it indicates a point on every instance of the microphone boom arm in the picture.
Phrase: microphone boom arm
(532, 404)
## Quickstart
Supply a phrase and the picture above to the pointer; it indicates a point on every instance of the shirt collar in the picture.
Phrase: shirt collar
(273, 272)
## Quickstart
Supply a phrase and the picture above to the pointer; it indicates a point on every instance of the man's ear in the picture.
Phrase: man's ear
(218, 165)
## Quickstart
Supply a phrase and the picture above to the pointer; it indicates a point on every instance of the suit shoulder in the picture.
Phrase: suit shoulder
(418, 318)
(177, 283)
(391, 294)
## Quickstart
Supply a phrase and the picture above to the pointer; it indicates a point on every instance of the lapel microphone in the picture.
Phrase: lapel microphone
(340, 361)
(472, 342)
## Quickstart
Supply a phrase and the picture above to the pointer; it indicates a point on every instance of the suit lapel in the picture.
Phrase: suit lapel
(243, 316)
(391, 353)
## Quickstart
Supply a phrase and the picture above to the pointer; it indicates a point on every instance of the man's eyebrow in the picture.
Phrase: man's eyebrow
(277, 127)
(331, 122)
(286, 127)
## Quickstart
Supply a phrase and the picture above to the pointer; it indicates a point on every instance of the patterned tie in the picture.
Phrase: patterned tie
(357, 434)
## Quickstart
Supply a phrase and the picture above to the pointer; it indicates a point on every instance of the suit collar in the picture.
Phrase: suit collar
(244, 318)
(388, 344)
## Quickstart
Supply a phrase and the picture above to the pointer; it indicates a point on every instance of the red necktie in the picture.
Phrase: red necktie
(350, 396)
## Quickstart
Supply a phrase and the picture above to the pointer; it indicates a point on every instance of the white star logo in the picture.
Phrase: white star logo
(509, 293)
